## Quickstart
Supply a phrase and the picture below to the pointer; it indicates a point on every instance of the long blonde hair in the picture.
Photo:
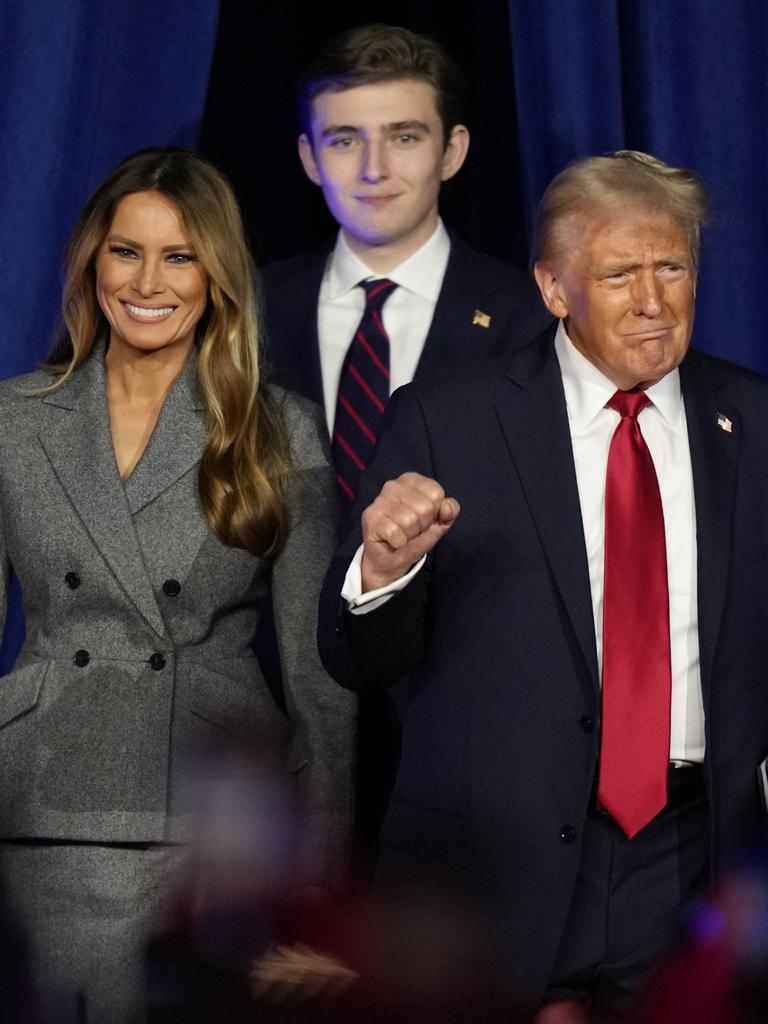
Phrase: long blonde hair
(243, 469)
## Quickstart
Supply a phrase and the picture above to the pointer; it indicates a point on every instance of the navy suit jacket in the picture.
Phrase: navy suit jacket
(501, 734)
(473, 282)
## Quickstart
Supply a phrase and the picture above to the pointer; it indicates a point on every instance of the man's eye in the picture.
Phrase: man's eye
(345, 143)
(407, 138)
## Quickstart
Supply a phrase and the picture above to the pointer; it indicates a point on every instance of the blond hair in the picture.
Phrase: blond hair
(608, 183)
(246, 458)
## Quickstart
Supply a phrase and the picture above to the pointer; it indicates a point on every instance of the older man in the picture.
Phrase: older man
(568, 558)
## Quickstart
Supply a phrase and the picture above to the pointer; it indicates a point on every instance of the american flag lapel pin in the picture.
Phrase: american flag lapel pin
(481, 319)
(724, 423)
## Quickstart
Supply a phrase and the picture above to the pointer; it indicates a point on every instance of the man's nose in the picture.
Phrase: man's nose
(648, 294)
(374, 167)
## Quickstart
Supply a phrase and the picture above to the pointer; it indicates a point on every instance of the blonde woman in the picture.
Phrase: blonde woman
(152, 491)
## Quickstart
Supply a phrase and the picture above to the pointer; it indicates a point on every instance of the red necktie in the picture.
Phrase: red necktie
(363, 391)
(637, 682)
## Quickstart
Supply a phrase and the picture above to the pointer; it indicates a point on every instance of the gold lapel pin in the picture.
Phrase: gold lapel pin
(481, 319)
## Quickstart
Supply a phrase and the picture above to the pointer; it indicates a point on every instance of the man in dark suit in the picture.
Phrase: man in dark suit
(566, 551)
(381, 131)
(380, 112)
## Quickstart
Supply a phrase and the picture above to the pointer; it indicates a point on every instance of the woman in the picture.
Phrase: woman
(152, 492)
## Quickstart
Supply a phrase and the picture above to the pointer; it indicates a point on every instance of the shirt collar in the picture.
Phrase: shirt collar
(422, 273)
(587, 390)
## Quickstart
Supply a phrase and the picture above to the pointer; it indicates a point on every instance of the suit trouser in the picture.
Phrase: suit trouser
(82, 914)
(626, 910)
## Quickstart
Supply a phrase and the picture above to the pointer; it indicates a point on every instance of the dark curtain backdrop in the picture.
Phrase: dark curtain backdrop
(83, 84)
(687, 82)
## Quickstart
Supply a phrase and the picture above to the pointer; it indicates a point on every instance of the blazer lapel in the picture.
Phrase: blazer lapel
(173, 452)
(714, 460)
(292, 337)
(453, 333)
(535, 424)
(82, 455)
(176, 443)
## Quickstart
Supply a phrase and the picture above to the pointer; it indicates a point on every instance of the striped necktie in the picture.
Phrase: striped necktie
(363, 391)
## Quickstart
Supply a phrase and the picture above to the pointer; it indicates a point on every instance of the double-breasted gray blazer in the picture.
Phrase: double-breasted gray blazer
(139, 623)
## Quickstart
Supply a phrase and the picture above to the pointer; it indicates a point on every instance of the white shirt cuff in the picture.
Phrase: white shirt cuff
(352, 591)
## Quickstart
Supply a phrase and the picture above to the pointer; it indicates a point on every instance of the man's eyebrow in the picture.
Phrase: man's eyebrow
(674, 257)
(340, 129)
(409, 126)
(123, 240)
(393, 126)
(619, 265)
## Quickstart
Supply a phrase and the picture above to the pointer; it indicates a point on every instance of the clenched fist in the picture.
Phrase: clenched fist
(405, 521)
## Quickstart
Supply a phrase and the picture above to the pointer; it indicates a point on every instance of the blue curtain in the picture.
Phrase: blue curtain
(82, 84)
(684, 81)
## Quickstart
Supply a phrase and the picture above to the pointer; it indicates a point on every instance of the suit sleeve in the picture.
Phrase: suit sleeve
(371, 652)
(323, 717)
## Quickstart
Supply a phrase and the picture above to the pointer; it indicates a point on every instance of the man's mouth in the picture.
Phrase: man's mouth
(375, 200)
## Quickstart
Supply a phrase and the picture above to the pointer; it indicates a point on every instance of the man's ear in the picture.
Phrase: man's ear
(455, 151)
(307, 158)
(551, 290)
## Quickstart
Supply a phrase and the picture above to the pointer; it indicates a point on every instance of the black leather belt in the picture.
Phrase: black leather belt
(685, 782)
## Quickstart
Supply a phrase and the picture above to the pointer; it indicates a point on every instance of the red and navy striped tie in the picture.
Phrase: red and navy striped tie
(363, 391)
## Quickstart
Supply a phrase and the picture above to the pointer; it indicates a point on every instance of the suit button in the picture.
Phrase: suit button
(567, 834)
(587, 723)
(81, 658)
(72, 580)
(157, 661)
(171, 588)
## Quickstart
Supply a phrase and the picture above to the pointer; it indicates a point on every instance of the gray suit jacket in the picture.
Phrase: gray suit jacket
(122, 684)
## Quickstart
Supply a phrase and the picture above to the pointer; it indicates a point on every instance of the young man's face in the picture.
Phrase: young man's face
(378, 153)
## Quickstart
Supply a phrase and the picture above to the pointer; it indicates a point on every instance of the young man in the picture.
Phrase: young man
(381, 131)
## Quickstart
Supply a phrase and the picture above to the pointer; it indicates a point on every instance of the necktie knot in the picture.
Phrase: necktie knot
(629, 403)
(377, 292)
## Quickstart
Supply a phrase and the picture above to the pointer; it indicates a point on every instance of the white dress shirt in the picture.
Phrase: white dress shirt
(663, 426)
(592, 426)
(407, 313)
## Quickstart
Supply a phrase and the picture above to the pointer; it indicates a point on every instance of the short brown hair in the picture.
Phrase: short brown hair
(626, 177)
(383, 53)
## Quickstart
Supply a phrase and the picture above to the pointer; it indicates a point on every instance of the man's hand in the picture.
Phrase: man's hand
(405, 521)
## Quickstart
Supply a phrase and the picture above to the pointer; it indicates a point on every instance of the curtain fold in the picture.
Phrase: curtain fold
(82, 85)
(686, 82)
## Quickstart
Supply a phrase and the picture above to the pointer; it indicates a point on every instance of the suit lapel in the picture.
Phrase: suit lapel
(81, 453)
(176, 443)
(535, 425)
(453, 333)
(293, 307)
(714, 461)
